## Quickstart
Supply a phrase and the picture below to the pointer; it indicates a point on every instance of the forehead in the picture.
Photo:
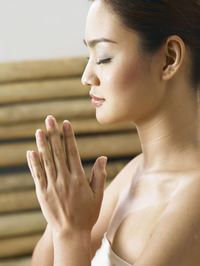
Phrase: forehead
(102, 22)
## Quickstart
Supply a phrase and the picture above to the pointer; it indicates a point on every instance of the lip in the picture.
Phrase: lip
(96, 97)
(96, 101)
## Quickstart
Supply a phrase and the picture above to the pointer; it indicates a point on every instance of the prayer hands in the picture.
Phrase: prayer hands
(68, 201)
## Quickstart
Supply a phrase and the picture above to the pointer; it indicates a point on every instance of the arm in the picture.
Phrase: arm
(72, 248)
(77, 243)
(176, 238)
(44, 253)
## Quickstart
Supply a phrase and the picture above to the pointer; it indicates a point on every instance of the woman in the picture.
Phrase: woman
(143, 67)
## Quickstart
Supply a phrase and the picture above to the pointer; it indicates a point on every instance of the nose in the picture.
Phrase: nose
(89, 77)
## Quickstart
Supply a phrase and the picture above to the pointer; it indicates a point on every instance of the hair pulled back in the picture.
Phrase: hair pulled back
(156, 20)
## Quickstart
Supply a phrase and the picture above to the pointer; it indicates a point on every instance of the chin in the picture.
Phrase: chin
(103, 121)
(108, 120)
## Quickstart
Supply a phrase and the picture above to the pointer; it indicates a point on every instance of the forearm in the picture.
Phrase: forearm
(43, 253)
(72, 249)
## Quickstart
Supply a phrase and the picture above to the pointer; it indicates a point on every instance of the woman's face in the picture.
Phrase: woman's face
(128, 80)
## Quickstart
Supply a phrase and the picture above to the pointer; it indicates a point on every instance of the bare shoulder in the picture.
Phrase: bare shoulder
(185, 203)
(175, 239)
(111, 195)
(125, 176)
(188, 192)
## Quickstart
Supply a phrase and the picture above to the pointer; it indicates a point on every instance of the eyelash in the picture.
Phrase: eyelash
(103, 61)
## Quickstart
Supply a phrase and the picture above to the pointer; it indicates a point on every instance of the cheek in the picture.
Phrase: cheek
(129, 87)
(126, 78)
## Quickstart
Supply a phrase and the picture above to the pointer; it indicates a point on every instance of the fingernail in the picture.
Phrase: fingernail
(50, 121)
(27, 153)
(50, 116)
(66, 123)
(39, 133)
(103, 161)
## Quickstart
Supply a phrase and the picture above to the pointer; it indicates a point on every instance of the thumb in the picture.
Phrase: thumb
(98, 177)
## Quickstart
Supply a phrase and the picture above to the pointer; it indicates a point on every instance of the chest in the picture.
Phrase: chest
(132, 224)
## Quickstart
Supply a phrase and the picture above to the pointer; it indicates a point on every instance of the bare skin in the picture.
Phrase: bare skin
(151, 210)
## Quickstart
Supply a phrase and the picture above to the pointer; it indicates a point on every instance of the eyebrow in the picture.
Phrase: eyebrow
(92, 43)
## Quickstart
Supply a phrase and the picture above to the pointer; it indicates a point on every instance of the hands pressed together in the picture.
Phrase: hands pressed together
(68, 201)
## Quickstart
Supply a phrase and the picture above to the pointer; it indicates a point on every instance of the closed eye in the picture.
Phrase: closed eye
(104, 61)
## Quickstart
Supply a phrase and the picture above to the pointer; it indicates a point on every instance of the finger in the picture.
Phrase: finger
(64, 148)
(71, 149)
(29, 163)
(46, 156)
(56, 145)
(36, 170)
(98, 177)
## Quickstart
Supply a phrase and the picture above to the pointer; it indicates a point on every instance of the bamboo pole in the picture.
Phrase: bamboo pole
(19, 224)
(18, 201)
(16, 246)
(63, 109)
(18, 261)
(90, 147)
(43, 89)
(42, 69)
(80, 126)
(16, 181)
(23, 181)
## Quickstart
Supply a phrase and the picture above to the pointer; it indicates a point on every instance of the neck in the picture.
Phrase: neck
(170, 138)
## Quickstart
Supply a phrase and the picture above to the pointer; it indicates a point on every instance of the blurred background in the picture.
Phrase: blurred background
(42, 29)
(42, 58)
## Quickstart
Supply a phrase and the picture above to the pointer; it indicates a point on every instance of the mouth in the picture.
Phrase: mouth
(96, 101)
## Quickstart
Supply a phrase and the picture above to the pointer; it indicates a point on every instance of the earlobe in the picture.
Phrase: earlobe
(174, 54)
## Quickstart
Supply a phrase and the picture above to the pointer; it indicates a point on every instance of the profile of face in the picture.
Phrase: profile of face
(118, 71)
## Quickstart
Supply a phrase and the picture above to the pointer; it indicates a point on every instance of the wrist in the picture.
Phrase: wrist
(74, 242)
(72, 235)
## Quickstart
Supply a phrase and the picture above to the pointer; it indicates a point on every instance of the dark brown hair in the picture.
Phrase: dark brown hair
(156, 20)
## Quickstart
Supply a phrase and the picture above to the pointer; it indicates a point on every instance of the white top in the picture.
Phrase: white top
(106, 257)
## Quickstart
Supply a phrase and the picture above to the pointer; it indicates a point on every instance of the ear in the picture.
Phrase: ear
(174, 54)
